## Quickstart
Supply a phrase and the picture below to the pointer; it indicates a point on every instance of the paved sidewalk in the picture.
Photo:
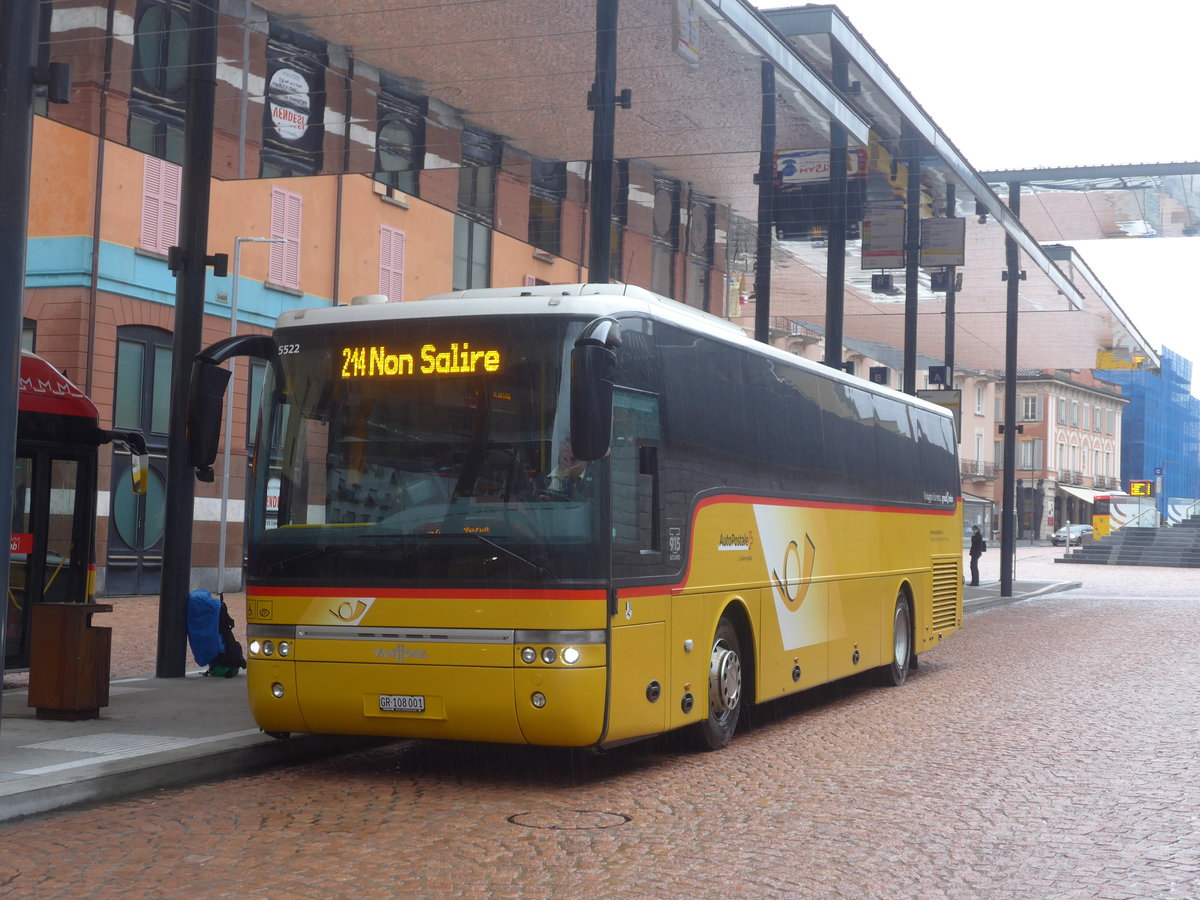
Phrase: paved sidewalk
(165, 732)
(987, 594)
(155, 733)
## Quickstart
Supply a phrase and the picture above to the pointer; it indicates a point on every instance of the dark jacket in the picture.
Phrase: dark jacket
(976, 544)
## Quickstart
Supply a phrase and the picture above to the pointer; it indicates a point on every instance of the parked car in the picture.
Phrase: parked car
(1079, 534)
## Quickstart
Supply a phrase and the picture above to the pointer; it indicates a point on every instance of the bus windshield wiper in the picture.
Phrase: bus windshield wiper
(540, 570)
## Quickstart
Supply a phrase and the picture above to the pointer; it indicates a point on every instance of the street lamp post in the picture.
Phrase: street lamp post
(233, 324)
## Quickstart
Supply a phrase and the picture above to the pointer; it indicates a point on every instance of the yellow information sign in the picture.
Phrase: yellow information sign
(1141, 488)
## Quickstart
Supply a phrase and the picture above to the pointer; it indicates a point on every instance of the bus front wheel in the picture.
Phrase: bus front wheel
(895, 673)
(724, 688)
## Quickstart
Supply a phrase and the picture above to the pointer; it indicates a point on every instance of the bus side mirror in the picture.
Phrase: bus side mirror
(139, 472)
(205, 393)
(207, 389)
(593, 366)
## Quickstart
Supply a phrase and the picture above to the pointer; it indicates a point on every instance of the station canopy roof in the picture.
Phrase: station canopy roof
(522, 69)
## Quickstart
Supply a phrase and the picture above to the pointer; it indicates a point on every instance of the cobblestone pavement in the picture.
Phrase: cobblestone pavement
(1046, 751)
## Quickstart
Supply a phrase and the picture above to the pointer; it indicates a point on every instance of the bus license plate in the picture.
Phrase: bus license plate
(401, 703)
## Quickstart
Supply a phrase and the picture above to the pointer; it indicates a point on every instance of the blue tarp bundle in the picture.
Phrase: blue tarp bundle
(204, 626)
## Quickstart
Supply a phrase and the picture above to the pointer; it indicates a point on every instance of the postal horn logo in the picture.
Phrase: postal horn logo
(351, 610)
(797, 573)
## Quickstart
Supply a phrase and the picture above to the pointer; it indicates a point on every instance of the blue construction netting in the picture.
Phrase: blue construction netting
(1160, 427)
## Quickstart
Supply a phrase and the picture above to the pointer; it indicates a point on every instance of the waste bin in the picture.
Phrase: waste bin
(69, 660)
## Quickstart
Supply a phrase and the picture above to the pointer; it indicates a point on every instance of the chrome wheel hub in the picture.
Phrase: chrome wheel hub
(724, 678)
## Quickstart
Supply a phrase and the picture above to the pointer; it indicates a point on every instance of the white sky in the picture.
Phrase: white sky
(1029, 83)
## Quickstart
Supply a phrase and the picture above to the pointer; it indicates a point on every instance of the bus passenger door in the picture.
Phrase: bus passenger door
(637, 704)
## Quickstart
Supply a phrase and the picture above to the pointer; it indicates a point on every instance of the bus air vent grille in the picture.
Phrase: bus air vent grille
(946, 579)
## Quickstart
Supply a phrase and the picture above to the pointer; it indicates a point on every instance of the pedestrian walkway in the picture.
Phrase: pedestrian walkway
(987, 593)
(165, 732)
(155, 733)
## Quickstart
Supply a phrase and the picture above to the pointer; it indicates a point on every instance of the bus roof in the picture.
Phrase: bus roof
(44, 389)
(575, 300)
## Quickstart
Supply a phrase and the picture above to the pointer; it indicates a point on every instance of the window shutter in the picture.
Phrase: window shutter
(391, 263)
(275, 273)
(161, 185)
(151, 201)
(172, 187)
(286, 220)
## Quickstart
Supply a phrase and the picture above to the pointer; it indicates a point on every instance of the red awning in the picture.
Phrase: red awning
(46, 390)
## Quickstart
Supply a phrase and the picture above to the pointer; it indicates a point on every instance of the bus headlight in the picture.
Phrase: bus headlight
(277, 691)
(255, 648)
(268, 648)
(538, 699)
(570, 655)
(529, 656)
(549, 655)
(284, 648)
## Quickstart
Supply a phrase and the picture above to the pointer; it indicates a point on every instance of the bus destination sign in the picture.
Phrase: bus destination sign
(382, 361)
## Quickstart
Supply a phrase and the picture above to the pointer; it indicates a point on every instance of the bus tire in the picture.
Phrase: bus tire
(725, 688)
(895, 673)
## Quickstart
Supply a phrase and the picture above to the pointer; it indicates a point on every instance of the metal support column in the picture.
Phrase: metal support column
(766, 207)
(951, 274)
(835, 245)
(602, 100)
(835, 248)
(190, 261)
(18, 39)
(1008, 547)
(912, 255)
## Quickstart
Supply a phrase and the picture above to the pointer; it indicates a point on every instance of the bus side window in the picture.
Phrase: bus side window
(635, 481)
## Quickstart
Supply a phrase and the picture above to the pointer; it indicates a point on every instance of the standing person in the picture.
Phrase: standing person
(977, 548)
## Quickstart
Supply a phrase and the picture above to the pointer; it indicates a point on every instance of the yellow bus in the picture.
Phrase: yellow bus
(575, 515)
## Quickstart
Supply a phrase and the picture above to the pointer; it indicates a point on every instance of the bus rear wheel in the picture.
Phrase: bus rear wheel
(895, 673)
(724, 688)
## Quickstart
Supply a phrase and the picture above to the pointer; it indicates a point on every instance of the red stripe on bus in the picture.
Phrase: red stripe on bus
(428, 594)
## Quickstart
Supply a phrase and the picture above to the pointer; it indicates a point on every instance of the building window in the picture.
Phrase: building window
(481, 154)
(143, 386)
(400, 143)
(700, 235)
(1061, 406)
(28, 334)
(391, 263)
(979, 399)
(294, 108)
(1074, 414)
(161, 187)
(472, 254)
(666, 236)
(286, 217)
(547, 188)
(620, 219)
(1029, 455)
(158, 93)
(1111, 425)
(1098, 420)
(1062, 456)
(1031, 409)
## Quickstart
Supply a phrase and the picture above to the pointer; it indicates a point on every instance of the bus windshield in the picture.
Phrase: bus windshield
(425, 452)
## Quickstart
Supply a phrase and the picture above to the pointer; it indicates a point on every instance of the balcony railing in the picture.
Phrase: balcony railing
(977, 467)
